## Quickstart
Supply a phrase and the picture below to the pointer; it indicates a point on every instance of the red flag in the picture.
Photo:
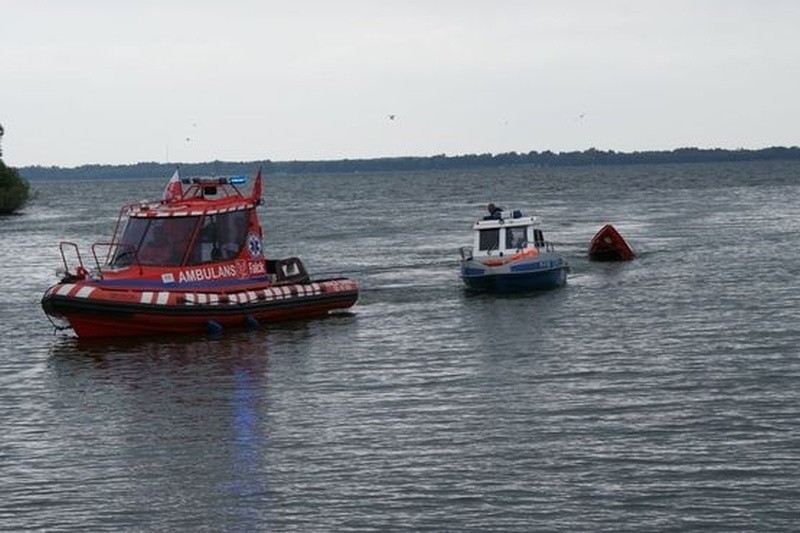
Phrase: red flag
(173, 190)
(255, 195)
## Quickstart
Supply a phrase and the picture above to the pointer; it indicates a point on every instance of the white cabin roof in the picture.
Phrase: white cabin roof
(492, 223)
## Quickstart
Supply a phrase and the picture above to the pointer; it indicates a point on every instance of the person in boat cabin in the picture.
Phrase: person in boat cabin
(494, 211)
(210, 249)
(515, 238)
(221, 237)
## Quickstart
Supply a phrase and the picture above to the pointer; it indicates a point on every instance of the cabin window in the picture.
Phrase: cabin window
(166, 240)
(221, 237)
(489, 239)
(156, 241)
(515, 237)
(538, 238)
(132, 236)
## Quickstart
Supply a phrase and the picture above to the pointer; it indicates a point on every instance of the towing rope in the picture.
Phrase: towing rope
(380, 269)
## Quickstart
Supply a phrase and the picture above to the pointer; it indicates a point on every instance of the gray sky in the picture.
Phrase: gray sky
(93, 81)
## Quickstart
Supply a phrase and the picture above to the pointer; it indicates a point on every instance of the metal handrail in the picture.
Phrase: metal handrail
(69, 244)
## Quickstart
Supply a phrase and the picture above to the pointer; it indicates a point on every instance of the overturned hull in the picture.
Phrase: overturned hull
(608, 245)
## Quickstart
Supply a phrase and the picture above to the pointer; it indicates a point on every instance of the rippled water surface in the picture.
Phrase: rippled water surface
(662, 394)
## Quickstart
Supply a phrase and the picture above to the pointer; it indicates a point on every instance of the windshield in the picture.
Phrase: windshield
(154, 241)
(221, 237)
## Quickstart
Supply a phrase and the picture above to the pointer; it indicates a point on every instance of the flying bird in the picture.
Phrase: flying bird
(391, 117)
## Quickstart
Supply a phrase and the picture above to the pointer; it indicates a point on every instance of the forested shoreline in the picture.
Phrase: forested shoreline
(14, 191)
(438, 162)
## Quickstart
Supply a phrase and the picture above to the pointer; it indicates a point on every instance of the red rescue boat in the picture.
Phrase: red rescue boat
(608, 245)
(192, 262)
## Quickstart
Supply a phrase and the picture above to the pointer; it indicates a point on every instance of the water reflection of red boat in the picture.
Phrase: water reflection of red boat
(192, 262)
(608, 245)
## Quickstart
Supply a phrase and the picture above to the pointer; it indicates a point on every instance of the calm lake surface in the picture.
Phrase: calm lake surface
(662, 394)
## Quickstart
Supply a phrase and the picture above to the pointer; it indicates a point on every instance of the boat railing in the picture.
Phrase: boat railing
(466, 252)
(80, 270)
(124, 210)
(547, 245)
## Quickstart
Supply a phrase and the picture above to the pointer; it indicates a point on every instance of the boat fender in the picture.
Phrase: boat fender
(213, 327)
(251, 322)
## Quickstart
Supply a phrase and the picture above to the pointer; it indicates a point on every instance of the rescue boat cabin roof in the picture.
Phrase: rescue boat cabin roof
(203, 195)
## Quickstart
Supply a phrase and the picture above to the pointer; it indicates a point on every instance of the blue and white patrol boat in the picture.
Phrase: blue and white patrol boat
(509, 253)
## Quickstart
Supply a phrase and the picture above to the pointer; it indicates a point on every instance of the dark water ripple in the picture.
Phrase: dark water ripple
(663, 394)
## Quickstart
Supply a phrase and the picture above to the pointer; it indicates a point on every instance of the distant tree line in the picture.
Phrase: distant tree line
(437, 162)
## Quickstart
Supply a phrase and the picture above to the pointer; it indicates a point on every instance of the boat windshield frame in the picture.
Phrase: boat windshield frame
(156, 241)
(191, 239)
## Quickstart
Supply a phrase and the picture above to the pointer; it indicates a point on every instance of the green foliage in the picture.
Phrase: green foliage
(14, 191)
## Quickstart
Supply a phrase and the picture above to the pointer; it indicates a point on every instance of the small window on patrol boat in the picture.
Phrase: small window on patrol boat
(515, 237)
(489, 239)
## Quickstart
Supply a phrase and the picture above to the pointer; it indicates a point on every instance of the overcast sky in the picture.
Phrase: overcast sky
(94, 81)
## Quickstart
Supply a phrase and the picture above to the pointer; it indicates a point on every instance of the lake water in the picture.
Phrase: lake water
(661, 394)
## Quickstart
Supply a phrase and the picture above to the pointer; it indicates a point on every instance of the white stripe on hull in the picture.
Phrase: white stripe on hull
(84, 292)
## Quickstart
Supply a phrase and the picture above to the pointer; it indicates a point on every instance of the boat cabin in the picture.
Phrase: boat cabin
(508, 233)
(212, 222)
(175, 239)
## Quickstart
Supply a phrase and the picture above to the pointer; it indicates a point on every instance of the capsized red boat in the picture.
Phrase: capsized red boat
(608, 245)
(190, 263)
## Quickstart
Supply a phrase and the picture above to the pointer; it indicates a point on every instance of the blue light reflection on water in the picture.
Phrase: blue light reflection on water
(249, 449)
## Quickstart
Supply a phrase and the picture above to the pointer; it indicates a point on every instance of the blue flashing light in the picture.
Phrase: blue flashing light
(210, 181)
